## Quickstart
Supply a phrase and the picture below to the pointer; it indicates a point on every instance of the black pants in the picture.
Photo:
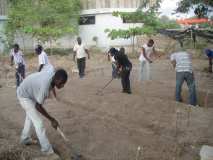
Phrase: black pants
(81, 62)
(125, 80)
(20, 74)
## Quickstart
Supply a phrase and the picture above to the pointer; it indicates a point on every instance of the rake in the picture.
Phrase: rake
(100, 91)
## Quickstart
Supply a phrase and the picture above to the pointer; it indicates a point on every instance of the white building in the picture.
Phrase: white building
(96, 16)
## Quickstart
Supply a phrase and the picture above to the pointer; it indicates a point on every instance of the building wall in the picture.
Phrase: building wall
(96, 4)
(104, 20)
(3, 7)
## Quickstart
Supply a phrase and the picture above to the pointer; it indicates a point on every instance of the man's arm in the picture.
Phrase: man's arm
(53, 121)
(144, 54)
(87, 51)
(40, 67)
(173, 63)
(11, 60)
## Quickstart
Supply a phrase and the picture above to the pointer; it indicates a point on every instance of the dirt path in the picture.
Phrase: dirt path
(114, 125)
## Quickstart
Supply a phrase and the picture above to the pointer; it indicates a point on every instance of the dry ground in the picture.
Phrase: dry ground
(112, 126)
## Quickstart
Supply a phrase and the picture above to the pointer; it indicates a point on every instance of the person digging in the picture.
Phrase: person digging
(32, 93)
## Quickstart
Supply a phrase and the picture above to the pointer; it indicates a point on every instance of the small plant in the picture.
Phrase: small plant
(95, 39)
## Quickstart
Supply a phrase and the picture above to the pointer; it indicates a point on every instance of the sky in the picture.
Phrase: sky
(168, 7)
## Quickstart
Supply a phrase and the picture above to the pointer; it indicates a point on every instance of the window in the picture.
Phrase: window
(86, 20)
(3, 7)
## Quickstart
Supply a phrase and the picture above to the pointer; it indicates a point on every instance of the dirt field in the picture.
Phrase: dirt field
(113, 126)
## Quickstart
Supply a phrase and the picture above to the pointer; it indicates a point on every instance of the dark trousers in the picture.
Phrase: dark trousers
(189, 78)
(20, 74)
(81, 62)
(125, 80)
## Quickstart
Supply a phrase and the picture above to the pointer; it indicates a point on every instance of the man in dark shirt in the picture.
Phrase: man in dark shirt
(124, 67)
(209, 53)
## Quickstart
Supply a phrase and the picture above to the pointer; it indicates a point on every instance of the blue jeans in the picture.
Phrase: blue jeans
(189, 78)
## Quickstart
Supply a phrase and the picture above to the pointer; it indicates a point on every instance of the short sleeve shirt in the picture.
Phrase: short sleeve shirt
(43, 58)
(148, 51)
(17, 57)
(36, 86)
(80, 50)
(183, 61)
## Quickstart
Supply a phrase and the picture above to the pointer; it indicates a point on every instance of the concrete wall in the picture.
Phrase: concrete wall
(96, 4)
(104, 20)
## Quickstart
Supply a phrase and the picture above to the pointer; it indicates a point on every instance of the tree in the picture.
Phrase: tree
(45, 20)
(151, 24)
(201, 7)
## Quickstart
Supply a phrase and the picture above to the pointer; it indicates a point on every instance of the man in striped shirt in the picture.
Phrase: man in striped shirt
(16, 57)
(182, 63)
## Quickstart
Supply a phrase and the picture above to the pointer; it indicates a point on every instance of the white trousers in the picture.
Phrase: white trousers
(144, 73)
(33, 117)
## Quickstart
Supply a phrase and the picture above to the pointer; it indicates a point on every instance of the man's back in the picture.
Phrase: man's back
(36, 86)
(183, 61)
(43, 58)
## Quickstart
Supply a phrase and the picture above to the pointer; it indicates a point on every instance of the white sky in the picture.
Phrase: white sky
(168, 7)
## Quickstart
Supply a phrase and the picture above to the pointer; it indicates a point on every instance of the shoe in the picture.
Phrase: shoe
(128, 92)
(29, 141)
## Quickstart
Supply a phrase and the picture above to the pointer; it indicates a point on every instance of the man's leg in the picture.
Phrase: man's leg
(123, 81)
(141, 73)
(34, 116)
(17, 78)
(210, 64)
(147, 71)
(128, 82)
(83, 66)
(23, 71)
(114, 73)
(26, 132)
(192, 88)
(209, 53)
(179, 83)
(79, 66)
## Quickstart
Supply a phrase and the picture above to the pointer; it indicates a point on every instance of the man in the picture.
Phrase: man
(31, 94)
(80, 52)
(16, 56)
(42, 58)
(209, 53)
(145, 60)
(111, 54)
(182, 63)
(124, 67)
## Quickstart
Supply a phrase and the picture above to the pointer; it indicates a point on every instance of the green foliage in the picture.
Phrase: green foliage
(201, 7)
(151, 24)
(45, 20)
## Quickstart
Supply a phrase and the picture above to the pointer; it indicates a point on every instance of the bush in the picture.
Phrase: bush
(59, 51)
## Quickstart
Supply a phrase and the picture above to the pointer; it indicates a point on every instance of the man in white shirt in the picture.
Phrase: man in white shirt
(42, 59)
(16, 57)
(182, 63)
(145, 60)
(31, 94)
(80, 52)
(111, 57)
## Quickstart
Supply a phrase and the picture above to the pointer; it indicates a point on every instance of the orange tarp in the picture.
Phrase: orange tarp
(192, 21)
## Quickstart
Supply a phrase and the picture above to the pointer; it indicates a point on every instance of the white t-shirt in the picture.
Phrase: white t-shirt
(43, 58)
(112, 58)
(17, 57)
(148, 51)
(183, 61)
(80, 50)
(36, 86)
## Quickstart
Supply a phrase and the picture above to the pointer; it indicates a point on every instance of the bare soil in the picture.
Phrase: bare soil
(113, 126)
